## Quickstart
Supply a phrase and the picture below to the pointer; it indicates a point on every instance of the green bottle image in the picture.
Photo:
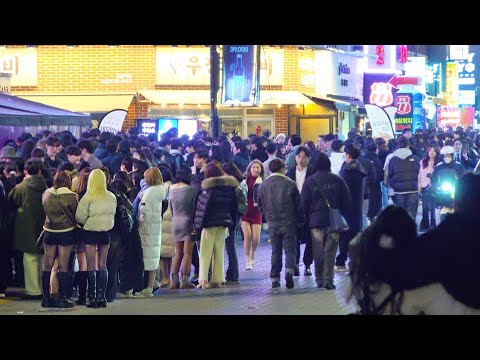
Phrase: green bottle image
(238, 79)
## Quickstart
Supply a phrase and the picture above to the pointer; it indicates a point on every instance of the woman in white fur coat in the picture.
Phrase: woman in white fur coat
(150, 224)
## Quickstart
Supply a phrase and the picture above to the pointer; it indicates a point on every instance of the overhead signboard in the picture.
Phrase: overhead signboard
(240, 75)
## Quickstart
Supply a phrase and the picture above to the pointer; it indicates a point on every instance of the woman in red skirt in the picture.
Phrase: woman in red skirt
(252, 220)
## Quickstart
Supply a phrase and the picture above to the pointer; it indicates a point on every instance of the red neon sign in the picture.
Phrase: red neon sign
(402, 54)
(380, 52)
(404, 105)
(381, 94)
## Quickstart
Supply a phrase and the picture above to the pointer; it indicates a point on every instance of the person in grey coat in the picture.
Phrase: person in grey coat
(279, 200)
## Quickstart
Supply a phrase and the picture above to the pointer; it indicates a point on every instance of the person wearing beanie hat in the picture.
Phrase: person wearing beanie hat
(7, 152)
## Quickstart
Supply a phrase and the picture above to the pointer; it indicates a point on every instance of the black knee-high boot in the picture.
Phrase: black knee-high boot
(81, 277)
(102, 278)
(92, 301)
(69, 289)
(47, 300)
(63, 283)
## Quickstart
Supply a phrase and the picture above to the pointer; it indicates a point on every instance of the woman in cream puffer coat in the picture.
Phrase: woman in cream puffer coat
(150, 224)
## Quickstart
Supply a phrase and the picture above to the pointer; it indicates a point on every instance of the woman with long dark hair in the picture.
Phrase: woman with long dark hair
(390, 273)
(252, 220)
(428, 163)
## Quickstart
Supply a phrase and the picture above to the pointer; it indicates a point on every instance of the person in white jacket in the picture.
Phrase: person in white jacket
(96, 212)
(150, 224)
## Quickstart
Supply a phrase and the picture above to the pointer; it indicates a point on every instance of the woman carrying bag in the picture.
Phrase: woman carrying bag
(60, 205)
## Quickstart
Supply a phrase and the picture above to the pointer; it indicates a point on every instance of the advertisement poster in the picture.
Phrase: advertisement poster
(241, 84)
(147, 126)
(404, 113)
(380, 122)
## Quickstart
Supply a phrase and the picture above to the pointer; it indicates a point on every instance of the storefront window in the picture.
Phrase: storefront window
(261, 124)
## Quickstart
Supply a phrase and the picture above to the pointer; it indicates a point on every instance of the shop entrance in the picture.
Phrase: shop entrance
(309, 127)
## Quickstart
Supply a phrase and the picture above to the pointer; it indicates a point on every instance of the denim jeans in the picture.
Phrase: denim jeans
(232, 270)
(428, 208)
(384, 196)
(282, 238)
(409, 202)
(325, 245)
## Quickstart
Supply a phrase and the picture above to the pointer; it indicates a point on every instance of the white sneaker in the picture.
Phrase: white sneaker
(2, 295)
(126, 295)
(340, 268)
(148, 292)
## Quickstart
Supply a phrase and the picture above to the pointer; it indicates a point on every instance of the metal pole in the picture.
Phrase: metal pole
(214, 73)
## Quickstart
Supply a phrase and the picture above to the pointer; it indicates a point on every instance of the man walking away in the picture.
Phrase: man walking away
(279, 201)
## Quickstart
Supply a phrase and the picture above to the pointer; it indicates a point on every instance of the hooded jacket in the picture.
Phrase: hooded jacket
(60, 206)
(26, 197)
(217, 203)
(403, 170)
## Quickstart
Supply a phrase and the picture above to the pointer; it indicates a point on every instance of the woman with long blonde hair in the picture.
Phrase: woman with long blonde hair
(96, 212)
(252, 220)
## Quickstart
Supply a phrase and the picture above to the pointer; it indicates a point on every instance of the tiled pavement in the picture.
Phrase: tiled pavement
(254, 296)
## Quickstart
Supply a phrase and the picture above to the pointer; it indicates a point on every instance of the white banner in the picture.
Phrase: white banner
(113, 121)
(191, 66)
(21, 63)
(380, 122)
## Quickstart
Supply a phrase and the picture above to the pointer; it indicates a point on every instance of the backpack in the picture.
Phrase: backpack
(123, 216)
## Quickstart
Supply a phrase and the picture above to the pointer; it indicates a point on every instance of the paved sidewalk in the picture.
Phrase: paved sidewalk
(254, 296)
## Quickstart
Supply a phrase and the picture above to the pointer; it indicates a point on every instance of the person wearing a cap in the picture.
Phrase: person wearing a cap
(280, 138)
(7, 153)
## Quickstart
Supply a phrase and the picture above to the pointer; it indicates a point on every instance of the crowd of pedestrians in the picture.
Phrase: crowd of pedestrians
(109, 215)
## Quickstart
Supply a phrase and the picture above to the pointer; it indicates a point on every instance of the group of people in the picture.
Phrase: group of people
(134, 213)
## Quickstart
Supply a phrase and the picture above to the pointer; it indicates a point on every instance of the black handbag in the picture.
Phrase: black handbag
(124, 217)
(195, 235)
(337, 221)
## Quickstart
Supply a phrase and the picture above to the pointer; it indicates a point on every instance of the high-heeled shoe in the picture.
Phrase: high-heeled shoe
(202, 285)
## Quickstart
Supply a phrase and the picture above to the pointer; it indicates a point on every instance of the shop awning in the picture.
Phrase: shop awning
(342, 103)
(85, 102)
(15, 111)
(202, 97)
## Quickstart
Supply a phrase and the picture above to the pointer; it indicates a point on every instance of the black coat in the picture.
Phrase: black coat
(375, 200)
(260, 154)
(313, 203)
(371, 176)
(241, 160)
(217, 203)
(354, 175)
(292, 173)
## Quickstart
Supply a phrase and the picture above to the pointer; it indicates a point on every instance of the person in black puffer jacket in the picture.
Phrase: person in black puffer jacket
(215, 211)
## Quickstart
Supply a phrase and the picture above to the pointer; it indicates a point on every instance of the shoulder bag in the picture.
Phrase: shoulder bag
(77, 227)
(337, 221)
